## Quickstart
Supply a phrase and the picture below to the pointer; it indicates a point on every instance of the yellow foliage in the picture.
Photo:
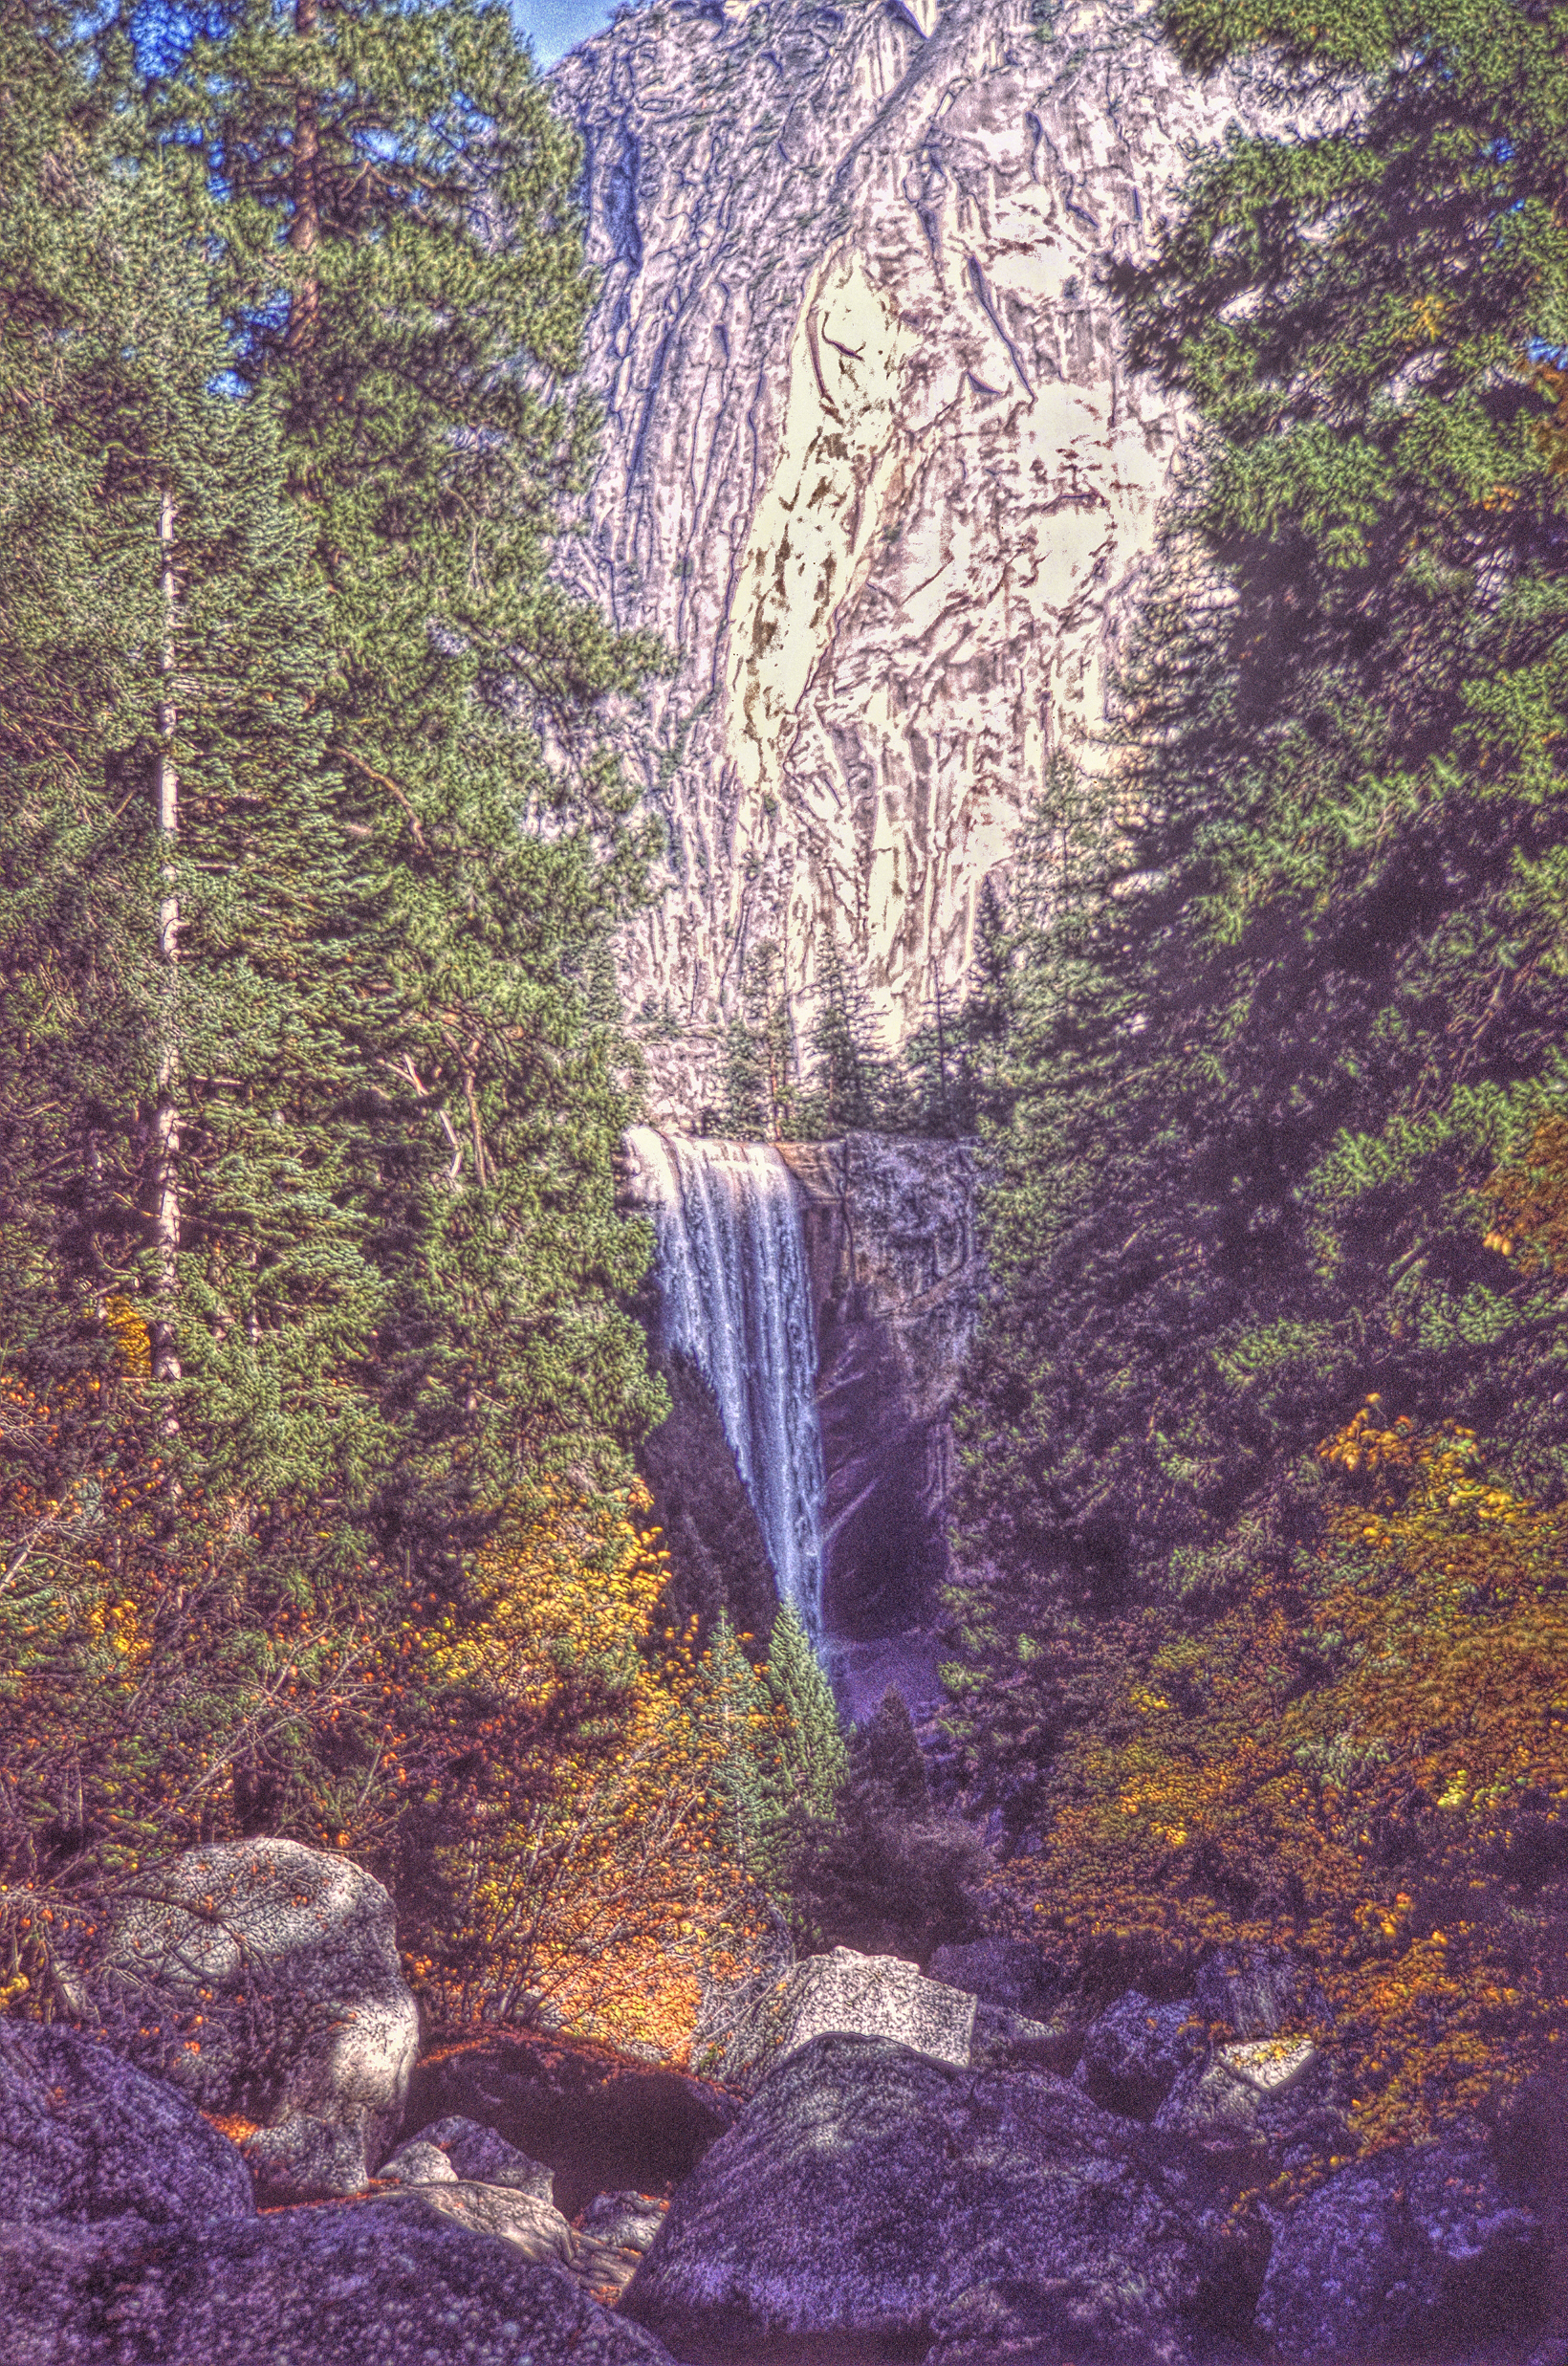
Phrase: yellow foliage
(129, 1332)
(1355, 1770)
(588, 1871)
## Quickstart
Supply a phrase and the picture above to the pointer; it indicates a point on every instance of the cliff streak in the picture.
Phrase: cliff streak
(832, 484)
(873, 461)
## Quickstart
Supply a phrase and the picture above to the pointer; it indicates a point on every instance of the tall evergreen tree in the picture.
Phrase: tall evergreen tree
(403, 271)
(1259, 1079)
(759, 1088)
(814, 1760)
(173, 1040)
(846, 1072)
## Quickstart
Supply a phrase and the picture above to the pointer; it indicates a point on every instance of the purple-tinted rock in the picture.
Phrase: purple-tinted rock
(303, 2158)
(877, 2200)
(378, 2284)
(281, 1962)
(85, 2135)
(484, 2156)
(1136, 2050)
(1008, 1973)
(1409, 2253)
(628, 2221)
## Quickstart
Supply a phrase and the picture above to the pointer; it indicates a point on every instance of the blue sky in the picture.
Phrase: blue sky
(555, 25)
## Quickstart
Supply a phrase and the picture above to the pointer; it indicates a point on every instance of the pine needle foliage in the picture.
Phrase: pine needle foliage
(1275, 1109)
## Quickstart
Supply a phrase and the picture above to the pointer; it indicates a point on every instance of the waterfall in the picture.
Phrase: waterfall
(736, 1300)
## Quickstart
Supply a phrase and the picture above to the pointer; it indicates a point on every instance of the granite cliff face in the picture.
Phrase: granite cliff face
(896, 1278)
(871, 462)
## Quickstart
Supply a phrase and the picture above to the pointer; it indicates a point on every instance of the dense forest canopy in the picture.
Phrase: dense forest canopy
(1263, 1524)
(320, 1380)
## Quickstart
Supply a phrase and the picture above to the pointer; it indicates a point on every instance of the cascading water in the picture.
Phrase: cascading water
(736, 1300)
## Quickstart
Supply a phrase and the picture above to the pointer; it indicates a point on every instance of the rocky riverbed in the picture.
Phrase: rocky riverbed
(953, 2169)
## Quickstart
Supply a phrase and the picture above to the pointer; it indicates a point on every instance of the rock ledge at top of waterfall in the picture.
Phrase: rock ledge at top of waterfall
(872, 461)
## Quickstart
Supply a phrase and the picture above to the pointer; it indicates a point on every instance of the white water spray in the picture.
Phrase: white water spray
(736, 1300)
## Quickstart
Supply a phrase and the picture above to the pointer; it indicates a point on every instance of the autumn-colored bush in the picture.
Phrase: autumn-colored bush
(1366, 1761)
(569, 1803)
(584, 1849)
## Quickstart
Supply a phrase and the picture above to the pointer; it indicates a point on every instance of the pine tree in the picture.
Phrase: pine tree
(174, 1038)
(800, 1772)
(404, 269)
(187, 1310)
(845, 1078)
(814, 1758)
(759, 1092)
(1253, 1089)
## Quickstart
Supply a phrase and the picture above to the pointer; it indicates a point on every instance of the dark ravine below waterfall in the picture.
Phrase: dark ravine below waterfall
(815, 1302)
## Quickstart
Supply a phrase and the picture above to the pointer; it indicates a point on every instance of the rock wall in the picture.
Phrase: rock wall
(895, 1277)
(872, 463)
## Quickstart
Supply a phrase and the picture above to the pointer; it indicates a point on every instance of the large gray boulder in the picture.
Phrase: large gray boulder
(629, 2221)
(303, 2158)
(418, 2163)
(848, 1995)
(374, 2284)
(1136, 2052)
(84, 2136)
(483, 2154)
(530, 2225)
(1408, 2253)
(262, 1978)
(874, 2198)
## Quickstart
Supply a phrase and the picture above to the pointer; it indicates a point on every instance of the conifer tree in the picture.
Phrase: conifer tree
(759, 1093)
(813, 1752)
(1254, 1086)
(403, 271)
(173, 1038)
(845, 1080)
(801, 1767)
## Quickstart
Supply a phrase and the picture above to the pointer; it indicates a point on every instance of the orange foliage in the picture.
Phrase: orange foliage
(1370, 1766)
(1530, 1201)
(554, 1787)
(1551, 431)
(586, 1861)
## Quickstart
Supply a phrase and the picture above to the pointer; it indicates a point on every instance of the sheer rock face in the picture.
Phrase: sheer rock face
(893, 1251)
(871, 462)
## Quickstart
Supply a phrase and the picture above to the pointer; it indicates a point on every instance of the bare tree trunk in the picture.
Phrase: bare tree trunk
(163, 1216)
(305, 227)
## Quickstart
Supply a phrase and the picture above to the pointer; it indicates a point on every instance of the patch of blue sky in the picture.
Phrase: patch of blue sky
(557, 26)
